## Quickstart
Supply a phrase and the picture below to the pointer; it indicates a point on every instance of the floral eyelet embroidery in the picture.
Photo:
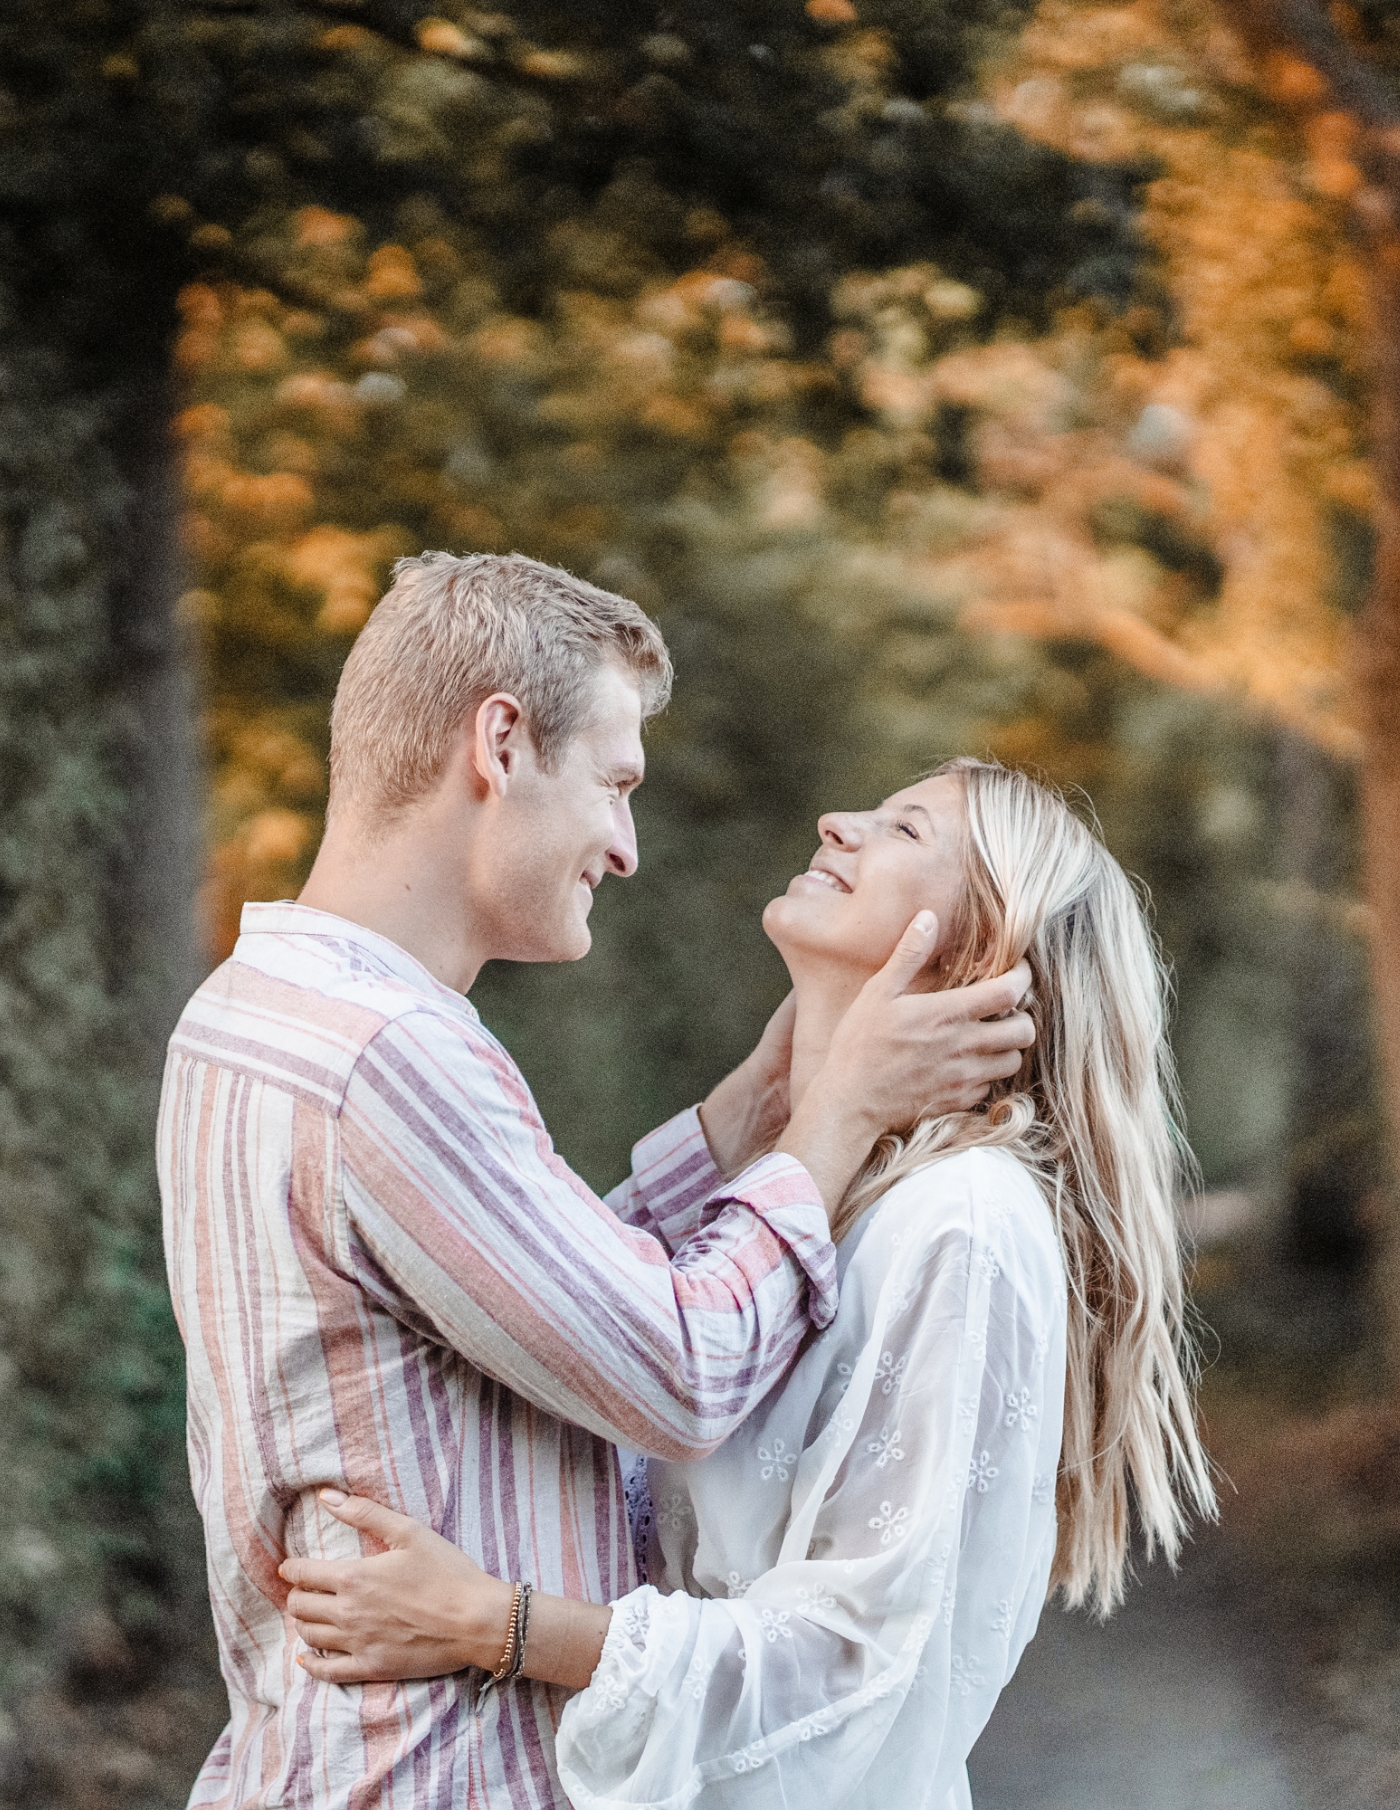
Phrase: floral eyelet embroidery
(891, 1523)
(980, 1473)
(886, 1446)
(776, 1460)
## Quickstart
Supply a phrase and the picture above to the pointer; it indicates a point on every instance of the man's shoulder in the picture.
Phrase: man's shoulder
(301, 1019)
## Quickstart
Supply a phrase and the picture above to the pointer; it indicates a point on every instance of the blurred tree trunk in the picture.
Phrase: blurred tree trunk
(98, 846)
(1312, 67)
(1378, 666)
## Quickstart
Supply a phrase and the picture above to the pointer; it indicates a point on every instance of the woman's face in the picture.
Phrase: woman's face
(872, 873)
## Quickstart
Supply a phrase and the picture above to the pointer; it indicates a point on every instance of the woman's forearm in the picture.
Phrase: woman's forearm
(564, 1639)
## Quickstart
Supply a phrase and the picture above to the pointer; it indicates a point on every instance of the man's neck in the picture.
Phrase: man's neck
(377, 879)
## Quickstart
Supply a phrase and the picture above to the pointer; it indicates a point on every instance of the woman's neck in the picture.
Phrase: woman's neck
(823, 995)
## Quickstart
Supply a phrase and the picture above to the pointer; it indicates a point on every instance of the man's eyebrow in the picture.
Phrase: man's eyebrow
(626, 776)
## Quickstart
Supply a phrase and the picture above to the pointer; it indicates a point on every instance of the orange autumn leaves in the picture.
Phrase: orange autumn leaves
(1174, 497)
(1268, 378)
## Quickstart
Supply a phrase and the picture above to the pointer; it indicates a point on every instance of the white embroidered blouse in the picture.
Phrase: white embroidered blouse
(840, 1591)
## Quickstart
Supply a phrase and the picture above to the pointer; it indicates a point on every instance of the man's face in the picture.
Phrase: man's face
(561, 831)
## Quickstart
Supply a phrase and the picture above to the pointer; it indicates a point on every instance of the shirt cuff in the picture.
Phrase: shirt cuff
(674, 1173)
(784, 1196)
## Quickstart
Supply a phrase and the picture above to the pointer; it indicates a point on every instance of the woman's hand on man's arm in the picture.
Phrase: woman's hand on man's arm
(423, 1609)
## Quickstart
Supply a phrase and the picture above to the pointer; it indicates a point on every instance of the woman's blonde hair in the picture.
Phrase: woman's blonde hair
(1092, 1112)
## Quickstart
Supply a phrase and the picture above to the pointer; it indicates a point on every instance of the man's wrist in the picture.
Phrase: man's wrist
(831, 1139)
(731, 1126)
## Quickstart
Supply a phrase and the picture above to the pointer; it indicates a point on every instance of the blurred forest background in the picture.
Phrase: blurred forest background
(944, 375)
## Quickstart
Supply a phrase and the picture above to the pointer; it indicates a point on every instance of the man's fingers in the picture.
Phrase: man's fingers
(390, 1529)
(992, 998)
(778, 1030)
(995, 1035)
(911, 953)
(1004, 1064)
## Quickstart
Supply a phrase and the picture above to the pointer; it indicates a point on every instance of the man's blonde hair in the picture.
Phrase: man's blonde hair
(451, 631)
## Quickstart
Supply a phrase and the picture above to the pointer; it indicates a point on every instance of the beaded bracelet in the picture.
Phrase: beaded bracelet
(513, 1654)
(517, 1665)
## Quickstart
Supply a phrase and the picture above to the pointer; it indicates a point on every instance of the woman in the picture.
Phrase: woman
(839, 1593)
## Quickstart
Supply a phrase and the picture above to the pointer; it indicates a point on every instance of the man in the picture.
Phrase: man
(387, 1281)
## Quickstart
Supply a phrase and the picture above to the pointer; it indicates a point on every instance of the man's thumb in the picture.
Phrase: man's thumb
(370, 1517)
(911, 952)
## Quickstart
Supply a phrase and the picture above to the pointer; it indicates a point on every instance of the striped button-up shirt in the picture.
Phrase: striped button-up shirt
(388, 1282)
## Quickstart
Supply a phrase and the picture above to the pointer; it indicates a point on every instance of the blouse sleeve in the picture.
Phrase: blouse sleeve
(806, 1674)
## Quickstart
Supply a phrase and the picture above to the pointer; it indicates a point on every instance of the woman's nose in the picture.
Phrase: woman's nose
(840, 829)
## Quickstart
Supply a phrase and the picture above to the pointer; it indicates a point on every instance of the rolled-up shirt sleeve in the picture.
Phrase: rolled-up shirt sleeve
(456, 1211)
(673, 1177)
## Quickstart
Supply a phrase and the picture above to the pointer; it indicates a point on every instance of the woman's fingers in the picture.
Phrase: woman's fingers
(313, 1605)
(340, 1668)
(312, 1574)
(322, 1636)
(382, 1524)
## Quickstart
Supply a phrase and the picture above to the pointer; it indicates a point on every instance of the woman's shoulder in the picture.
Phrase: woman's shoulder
(980, 1178)
(975, 1202)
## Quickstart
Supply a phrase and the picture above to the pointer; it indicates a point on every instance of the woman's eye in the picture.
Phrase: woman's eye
(909, 830)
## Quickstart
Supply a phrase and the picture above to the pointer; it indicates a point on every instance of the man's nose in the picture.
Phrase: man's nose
(622, 850)
(842, 829)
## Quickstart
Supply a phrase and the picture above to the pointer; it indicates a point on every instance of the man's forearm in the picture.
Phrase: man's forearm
(744, 1116)
(742, 1120)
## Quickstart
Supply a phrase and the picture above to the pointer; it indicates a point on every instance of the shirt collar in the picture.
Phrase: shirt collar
(284, 917)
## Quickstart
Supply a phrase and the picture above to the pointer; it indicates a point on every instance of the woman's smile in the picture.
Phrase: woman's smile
(820, 876)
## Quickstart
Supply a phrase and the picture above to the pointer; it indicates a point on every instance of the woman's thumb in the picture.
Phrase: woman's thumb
(370, 1517)
(911, 952)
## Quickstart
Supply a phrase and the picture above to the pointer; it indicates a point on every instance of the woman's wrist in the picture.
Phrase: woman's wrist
(566, 1639)
(486, 1622)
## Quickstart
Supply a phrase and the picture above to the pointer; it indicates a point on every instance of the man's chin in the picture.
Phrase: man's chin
(581, 943)
(571, 944)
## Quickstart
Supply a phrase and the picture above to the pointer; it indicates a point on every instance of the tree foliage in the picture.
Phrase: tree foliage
(942, 376)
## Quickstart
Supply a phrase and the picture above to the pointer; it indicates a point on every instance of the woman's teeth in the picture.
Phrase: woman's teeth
(815, 873)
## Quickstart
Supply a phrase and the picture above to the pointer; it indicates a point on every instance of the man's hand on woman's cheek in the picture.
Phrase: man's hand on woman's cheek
(897, 1057)
(911, 1055)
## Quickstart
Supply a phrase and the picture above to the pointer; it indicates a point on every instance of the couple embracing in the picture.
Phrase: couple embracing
(886, 1333)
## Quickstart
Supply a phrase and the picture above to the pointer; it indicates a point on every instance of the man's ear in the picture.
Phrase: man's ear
(500, 741)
